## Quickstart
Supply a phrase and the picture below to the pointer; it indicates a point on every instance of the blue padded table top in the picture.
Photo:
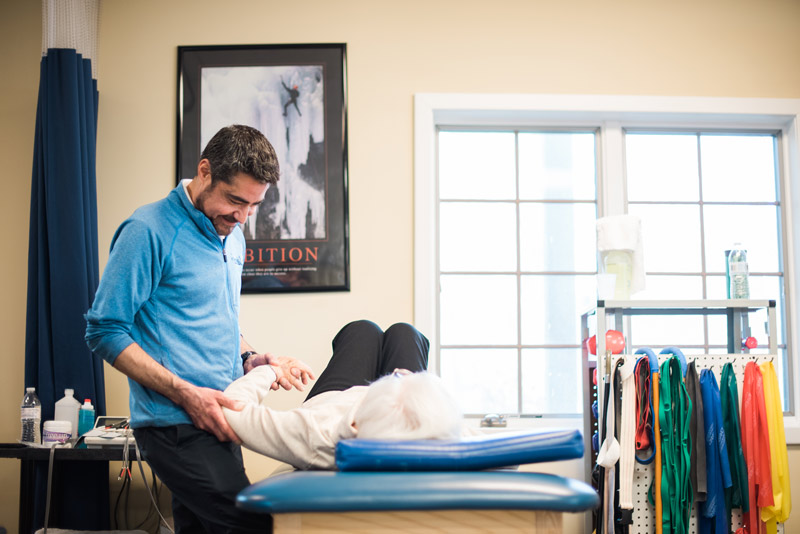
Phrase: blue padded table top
(487, 451)
(330, 491)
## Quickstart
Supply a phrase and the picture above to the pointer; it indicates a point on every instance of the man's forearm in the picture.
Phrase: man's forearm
(137, 365)
(203, 405)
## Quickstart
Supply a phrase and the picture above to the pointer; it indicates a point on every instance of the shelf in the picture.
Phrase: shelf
(654, 305)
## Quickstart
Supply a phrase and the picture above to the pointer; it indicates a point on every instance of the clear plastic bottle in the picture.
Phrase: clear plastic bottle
(31, 417)
(739, 273)
(85, 418)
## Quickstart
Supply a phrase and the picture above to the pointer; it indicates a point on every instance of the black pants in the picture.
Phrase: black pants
(205, 475)
(362, 353)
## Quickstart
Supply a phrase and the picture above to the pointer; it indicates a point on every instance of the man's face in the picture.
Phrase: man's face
(228, 204)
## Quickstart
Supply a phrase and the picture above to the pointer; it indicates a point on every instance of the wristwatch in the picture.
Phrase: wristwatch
(246, 355)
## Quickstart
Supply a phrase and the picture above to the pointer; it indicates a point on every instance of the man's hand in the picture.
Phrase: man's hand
(290, 372)
(254, 361)
(204, 406)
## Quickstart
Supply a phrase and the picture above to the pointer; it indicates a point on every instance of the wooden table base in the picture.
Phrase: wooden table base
(421, 522)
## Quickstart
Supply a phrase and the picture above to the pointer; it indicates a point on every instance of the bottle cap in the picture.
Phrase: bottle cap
(69, 392)
(30, 390)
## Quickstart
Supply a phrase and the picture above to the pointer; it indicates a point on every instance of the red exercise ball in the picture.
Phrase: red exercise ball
(615, 342)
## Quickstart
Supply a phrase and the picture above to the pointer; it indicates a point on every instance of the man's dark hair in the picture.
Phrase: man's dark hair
(241, 149)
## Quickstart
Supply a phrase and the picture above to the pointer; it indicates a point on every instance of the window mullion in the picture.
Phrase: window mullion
(611, 192)
(519, 281)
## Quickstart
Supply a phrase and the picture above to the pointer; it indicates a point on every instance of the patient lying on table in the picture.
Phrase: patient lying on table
(374, 387)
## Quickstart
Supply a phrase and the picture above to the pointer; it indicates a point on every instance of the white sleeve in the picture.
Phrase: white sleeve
(253, 386)
(292, 436)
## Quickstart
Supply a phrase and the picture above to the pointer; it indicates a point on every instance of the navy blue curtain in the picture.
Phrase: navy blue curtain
(63, 274)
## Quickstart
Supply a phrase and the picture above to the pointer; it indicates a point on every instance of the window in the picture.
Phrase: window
(517, 261)
(698, 193)
(512, 196)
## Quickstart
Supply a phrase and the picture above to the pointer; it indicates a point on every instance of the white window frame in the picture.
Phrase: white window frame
(612, 114)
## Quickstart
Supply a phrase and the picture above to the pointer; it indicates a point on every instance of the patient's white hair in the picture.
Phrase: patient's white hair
(412, 406)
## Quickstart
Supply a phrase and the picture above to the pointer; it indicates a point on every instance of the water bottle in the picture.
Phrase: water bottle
(31, 417)
(86, 418)
(737, 266)
(67, 410)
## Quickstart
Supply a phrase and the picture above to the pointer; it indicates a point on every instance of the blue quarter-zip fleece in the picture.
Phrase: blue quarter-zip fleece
(172, 286)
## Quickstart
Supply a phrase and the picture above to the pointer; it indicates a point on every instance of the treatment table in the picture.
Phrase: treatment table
(429, 486)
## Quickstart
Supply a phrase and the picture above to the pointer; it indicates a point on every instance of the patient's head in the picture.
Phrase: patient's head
(408, 406)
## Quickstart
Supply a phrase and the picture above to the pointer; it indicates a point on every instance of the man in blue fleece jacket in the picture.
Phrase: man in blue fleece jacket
(166, 315)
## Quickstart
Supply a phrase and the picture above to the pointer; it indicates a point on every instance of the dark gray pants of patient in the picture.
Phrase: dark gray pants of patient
(362, 353)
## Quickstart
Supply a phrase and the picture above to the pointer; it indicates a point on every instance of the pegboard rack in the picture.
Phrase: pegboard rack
(611, 314)
(643, 511)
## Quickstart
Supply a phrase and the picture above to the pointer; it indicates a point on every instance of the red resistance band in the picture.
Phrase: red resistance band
(644, 409)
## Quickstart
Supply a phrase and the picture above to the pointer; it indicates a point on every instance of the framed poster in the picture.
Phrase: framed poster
(296, 95)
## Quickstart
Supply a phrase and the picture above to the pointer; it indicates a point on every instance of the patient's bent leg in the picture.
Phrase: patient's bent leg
(404, 347)
(362, 353)
(356, 349)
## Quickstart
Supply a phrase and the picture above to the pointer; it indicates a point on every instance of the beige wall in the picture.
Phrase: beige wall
(731, 48)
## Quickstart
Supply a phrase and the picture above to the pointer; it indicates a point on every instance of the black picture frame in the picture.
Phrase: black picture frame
(294, 94)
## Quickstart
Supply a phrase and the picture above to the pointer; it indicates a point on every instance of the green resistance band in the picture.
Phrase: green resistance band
(674, 412)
